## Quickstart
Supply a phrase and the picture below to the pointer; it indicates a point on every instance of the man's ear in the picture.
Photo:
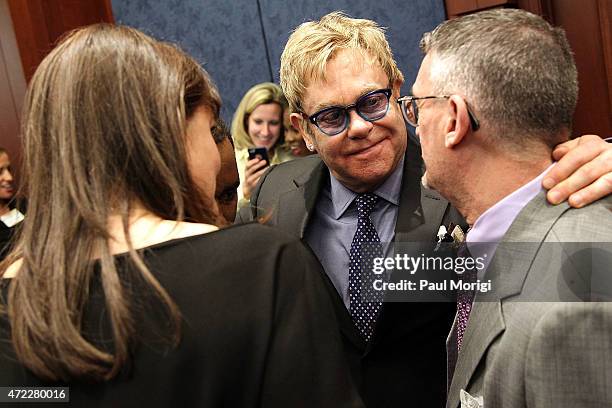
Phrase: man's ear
(457, 122)
(297, 121)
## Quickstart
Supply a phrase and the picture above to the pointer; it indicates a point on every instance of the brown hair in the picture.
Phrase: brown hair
(221, 132)
(103, 128)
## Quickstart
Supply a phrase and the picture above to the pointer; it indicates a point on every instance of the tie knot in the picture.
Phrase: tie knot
(365, 204)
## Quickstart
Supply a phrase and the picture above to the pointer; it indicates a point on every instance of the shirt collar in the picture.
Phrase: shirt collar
(489, 229)
(342, 197)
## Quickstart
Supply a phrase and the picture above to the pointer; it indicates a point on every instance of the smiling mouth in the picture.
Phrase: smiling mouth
(365, 149)
(265, 138)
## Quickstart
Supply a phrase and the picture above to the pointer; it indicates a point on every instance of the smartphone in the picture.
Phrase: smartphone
(260, 152)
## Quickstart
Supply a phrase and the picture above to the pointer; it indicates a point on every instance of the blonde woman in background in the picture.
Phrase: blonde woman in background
(258, 122)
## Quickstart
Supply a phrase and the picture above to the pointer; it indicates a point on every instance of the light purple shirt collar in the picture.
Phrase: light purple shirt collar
(489, 229)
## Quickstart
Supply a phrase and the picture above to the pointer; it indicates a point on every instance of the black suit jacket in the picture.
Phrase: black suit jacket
(405, 363)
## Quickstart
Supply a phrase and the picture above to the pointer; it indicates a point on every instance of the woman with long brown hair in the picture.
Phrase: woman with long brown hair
(120, 284)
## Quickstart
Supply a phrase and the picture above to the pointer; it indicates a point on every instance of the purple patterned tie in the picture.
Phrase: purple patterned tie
(365, 302)
(465, 299)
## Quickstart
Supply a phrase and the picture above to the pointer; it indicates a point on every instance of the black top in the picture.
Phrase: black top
(6, 234)
(258, 329)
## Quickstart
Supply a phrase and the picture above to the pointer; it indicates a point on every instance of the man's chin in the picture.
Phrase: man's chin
(361, 183)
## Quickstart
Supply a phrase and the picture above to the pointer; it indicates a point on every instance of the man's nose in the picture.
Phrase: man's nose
(358, 127)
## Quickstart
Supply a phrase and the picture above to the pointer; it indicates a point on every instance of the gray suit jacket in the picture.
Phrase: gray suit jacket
(405, 362)
(532, 342)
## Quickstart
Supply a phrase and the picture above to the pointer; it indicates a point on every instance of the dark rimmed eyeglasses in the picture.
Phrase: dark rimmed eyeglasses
(335, 119)
(410, 109)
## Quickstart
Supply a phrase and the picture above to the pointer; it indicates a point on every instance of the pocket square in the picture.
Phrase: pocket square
(467, 401)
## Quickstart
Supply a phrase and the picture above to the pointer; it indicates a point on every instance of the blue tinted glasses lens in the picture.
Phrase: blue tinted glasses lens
(370, 107)
(373, 107)
(332, 121)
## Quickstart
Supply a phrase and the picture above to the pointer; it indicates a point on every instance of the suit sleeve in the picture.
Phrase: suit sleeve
(569, 359)
(305, 364)
(244, 215)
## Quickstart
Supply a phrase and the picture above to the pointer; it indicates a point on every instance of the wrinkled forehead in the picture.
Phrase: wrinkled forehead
(320, 73)
(333, 75)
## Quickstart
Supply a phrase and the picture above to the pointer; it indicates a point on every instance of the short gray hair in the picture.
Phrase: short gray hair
(515, 69)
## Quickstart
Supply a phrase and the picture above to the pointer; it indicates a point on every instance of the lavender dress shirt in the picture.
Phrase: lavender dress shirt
(331, 229)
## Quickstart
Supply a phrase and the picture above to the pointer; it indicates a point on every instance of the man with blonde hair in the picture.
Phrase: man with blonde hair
(358, 195)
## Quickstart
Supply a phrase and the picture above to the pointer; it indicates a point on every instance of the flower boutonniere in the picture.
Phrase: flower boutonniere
(453, 234)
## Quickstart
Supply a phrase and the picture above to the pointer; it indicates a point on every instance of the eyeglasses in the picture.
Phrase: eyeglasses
(410, 110)
(334, 120)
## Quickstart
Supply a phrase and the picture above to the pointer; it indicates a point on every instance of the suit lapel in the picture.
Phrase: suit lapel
(421, 212)
(508, 270)
(299, 203)
(345, 321)
(486, 322)
(293, 217)
(410, 213)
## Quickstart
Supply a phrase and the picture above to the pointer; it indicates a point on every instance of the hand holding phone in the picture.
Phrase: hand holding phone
(259, 152)
(255, 168)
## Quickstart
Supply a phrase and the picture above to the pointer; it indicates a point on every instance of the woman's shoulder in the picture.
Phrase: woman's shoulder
(235, 243)
(251, 236)
(242, 258)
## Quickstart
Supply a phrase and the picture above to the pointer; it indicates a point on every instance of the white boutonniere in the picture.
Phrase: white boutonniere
(453, 235)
